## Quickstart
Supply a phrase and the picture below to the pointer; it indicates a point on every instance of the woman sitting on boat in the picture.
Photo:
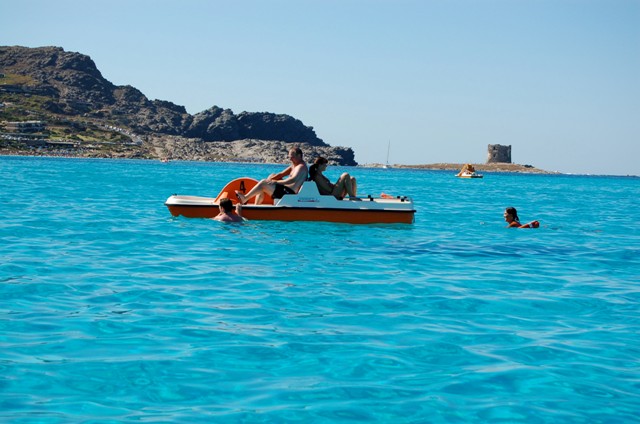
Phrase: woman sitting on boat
(346, 184)
(511, 217)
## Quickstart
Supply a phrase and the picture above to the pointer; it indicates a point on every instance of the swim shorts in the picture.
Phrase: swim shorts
(281, 190)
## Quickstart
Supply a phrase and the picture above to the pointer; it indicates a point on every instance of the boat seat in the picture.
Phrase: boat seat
(309, 188)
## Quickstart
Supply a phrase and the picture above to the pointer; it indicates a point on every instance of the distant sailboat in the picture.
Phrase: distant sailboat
(386, 165)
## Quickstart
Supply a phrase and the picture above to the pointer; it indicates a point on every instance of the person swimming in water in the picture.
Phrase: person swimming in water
(226, 212)
(511, 217)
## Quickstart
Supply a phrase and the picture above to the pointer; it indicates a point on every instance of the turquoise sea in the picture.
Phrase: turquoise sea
(113, 311)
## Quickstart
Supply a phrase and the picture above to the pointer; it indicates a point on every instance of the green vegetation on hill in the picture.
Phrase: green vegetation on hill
(32, 107)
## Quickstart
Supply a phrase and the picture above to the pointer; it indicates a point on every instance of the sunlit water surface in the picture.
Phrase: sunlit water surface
(111, 310)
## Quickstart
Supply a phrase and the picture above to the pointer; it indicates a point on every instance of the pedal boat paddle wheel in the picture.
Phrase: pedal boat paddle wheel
(306, 205)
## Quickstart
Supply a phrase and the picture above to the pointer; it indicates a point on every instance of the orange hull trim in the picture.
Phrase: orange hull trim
(265, 213)
(329, 215)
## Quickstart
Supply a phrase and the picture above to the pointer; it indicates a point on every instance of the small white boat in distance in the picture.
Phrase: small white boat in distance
(469, 175)
(468, 171)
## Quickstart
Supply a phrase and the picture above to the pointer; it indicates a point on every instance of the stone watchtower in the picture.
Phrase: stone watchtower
(499, 154)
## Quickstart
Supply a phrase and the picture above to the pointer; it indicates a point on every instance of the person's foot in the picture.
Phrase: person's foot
(354, 198)
(241, 197)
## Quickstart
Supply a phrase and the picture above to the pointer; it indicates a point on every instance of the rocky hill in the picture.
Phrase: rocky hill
(85, 112)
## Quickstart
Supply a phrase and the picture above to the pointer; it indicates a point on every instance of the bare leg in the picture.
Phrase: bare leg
(348, 184)
(263, 186)
(339, 188)
(344, 186)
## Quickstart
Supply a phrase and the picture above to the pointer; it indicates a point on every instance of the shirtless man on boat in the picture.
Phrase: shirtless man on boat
(275, 186)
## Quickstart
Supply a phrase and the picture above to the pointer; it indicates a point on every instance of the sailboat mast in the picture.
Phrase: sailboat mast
(388, 148)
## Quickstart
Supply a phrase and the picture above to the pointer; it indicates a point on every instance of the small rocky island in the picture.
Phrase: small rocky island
(498, 160)
(54, 102)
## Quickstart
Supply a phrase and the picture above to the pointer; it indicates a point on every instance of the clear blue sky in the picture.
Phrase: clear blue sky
(559, 80)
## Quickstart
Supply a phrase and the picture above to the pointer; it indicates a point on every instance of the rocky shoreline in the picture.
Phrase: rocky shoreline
(256, 151)
(179, 148)
(253, 151)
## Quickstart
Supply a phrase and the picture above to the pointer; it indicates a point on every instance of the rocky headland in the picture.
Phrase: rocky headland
(80, 113)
